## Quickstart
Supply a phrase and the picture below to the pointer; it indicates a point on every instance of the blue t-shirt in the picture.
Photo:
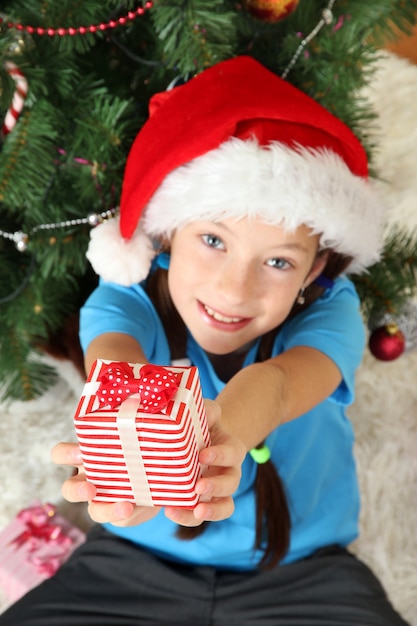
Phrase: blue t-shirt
(313, 453)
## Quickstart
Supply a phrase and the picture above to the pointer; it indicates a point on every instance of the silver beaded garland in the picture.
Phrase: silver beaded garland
(327, 15)
(93, 219)
(326, 20)
(21, 239)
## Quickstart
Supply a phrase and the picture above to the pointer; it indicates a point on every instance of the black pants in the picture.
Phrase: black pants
(108, 581)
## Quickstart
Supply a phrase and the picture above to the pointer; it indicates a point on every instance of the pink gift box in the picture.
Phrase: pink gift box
(33, 547)
(138, 449)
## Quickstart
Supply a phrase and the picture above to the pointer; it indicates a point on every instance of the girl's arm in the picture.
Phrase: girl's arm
(264, 395)
(114, 347)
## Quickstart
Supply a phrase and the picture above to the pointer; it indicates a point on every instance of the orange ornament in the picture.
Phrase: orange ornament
(271, 10)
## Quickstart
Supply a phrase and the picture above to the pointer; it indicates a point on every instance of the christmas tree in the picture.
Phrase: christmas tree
(75, 81)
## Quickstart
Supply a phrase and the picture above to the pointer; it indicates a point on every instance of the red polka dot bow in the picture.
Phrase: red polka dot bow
(156, 386)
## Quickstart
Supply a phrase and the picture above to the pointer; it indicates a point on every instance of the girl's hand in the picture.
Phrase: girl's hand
(224, 460)
(78, 489)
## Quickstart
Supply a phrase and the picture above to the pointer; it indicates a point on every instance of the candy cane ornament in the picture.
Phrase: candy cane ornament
(19, 96)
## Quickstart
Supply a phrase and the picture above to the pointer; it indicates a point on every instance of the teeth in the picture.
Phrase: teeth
(221, 318)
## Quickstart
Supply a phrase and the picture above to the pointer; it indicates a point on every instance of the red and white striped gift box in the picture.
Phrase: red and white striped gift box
(130, 454)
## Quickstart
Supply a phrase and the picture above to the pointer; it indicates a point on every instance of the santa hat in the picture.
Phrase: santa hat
(238, 141)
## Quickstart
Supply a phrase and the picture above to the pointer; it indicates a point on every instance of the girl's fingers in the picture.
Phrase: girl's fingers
(121, 513)
(230, 453)
(213, 412)
(103, 512)
(215, 510)
(77, 489)
(211, 511)
(66, 454)
(218, 485)
(223, 460)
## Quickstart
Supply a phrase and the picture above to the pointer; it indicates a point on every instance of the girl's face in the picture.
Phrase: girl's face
(232, 281)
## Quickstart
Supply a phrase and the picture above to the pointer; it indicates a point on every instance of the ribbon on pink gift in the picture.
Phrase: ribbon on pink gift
(41, 530)
(156, 386)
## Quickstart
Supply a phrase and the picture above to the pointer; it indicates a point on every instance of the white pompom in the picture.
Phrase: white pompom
(117, 260)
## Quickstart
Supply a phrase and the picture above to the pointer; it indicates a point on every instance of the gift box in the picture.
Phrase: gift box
(33, 546)
(140, 429)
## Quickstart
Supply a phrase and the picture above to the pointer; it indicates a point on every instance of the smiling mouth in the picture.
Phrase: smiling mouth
(222, 318)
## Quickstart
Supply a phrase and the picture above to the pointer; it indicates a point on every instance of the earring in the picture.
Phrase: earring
(301, 299)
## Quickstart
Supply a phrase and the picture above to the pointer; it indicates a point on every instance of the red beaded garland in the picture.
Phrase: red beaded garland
(80, 30)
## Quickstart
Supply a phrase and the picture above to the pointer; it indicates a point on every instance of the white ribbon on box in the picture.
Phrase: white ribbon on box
(126, 427)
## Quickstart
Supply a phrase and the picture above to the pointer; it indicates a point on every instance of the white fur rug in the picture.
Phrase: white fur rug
(384, 414)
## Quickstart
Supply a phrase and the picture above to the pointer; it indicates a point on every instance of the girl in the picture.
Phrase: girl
(243, 203)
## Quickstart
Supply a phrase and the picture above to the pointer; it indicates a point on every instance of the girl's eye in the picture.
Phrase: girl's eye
(213, 241)
(279, 264)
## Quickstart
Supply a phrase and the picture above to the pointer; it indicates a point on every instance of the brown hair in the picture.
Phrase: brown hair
(273, 520)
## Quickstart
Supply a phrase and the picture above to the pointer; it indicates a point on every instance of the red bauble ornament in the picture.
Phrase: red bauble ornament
(271, 10)
(387, 342)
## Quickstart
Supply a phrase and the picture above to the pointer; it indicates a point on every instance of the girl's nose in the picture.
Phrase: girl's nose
(237, 282)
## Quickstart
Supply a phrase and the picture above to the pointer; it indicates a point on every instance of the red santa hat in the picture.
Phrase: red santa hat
(238, 141)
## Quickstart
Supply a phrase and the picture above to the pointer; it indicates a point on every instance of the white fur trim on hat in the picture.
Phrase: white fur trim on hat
(280, 185)
(117, 260)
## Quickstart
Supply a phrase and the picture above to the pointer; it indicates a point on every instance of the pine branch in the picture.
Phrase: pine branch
(194, 34)
(388, 284)
(27, 378)
(26, 164)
